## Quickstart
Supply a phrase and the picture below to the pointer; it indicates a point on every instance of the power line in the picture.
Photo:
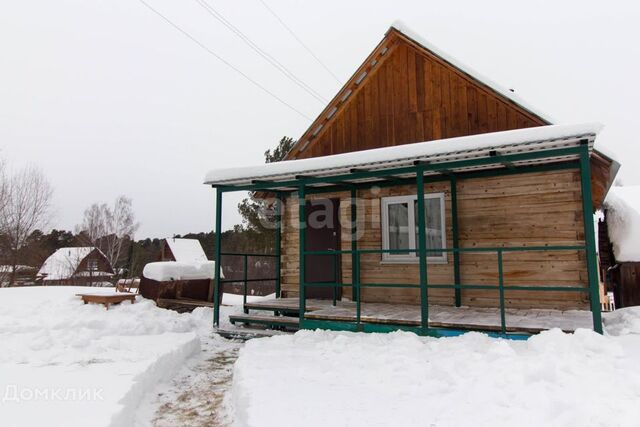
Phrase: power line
(273, 61)
(224, 61)
(286, 27)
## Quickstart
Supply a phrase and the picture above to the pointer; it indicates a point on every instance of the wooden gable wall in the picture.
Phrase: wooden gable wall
(408, 95)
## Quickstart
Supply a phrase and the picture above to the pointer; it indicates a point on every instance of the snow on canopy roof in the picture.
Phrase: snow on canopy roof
(63, 263)
(623, 221)
(404, 29)
(439, 151)
(186, 250)
(167, 271)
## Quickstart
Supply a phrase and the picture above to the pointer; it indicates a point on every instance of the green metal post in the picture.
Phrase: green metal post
(356, 285)
(245, 276)
(278, 242)
(455, 239)
(335, 279)
(503, 323)
(589, 237)
(354, 242)
(301, 233)
(422, 249)
(217, 285)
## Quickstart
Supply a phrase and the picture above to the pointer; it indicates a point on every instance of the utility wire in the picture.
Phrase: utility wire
(224, 61)
(286, 27)
(273, 61)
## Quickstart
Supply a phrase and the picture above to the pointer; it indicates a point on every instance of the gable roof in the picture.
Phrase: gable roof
(398, 34)
(186, 250)
(64, 262)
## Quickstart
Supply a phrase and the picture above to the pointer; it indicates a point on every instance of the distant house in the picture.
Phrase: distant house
(76, 266)
(619, 245)
(24, 274)
(182, 250)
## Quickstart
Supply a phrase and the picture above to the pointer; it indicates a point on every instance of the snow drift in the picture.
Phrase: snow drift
(623, 221)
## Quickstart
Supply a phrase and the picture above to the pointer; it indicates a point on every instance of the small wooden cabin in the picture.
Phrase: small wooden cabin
(79, 266)
(426, 198)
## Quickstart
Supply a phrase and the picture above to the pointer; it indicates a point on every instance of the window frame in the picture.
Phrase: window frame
(413, 256)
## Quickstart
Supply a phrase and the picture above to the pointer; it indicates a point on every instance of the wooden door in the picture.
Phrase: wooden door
(321, 234)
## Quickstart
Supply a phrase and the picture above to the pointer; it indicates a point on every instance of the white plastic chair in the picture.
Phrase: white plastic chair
(612, 301)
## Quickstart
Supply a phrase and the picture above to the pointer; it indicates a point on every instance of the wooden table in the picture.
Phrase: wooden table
(107, 299)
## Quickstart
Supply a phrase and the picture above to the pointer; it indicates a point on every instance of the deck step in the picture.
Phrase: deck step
(275, 307)
(257, 319)
(248, 333)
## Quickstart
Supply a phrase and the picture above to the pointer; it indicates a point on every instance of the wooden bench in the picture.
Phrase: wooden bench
(107, 299)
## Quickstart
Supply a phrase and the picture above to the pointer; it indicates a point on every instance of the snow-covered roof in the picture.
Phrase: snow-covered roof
(171, 270)
(63, 263)
(623, 222)
(404, 29)
(439, 151)
(187, 250)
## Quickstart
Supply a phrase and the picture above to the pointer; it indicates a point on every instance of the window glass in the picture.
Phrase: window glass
(398, 226)
(433, 220)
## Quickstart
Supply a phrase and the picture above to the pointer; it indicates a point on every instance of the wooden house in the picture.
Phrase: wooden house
(80, 266)
(425, 197)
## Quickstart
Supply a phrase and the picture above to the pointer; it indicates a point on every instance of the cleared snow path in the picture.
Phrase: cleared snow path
(199, 394)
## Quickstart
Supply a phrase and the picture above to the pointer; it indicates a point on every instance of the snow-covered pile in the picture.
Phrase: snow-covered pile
(320, 378)
(66, 363)
(623, 222)
(171, 270)
(624, 321)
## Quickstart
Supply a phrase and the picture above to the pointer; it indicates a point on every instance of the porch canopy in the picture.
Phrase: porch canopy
(521, 147)
(553, 147)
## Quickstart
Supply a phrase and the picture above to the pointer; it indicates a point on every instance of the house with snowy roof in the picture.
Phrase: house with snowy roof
(619, 245)
(425, 197)
(82, 266)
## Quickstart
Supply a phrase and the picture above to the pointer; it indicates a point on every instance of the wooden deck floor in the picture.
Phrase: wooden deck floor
(472, 318)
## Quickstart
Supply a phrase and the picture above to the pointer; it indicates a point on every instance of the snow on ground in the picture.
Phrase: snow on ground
(320, 378)
(66, 363)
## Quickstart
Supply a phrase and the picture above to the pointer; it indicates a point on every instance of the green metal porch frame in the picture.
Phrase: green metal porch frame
(304, 185)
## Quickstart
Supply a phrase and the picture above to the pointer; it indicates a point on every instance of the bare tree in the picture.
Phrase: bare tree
(108, 227)
(25, 208)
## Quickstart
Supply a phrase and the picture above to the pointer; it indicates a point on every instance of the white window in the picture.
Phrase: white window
(400, 227)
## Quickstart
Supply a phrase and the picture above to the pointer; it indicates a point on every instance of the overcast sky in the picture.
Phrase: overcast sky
(108, 99)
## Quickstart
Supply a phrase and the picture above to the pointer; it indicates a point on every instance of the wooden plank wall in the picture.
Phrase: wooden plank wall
(533, 209)
(413, 96)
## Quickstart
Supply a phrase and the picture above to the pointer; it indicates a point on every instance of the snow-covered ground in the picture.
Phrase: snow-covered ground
(63, 363)
(320, 378)
(66, 363)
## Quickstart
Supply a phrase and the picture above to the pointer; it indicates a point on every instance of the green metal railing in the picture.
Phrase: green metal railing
(500, 287)
(245, 280)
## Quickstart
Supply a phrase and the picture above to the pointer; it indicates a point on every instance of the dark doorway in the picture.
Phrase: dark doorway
(321, 234)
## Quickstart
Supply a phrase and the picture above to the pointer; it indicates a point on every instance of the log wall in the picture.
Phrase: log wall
(534, 209)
